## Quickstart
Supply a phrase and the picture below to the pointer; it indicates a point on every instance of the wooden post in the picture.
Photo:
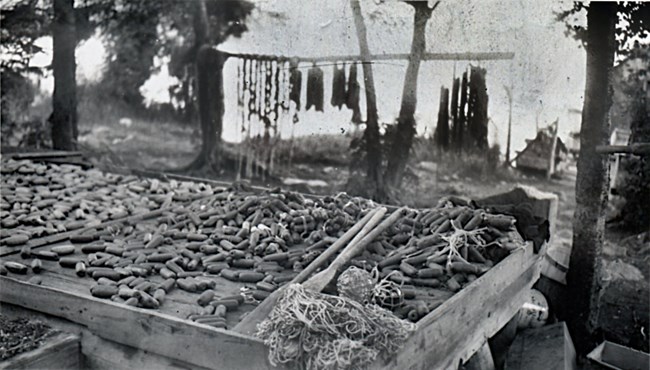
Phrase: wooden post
(592, 177)
(371, 134)
(509, 91)
(551, 160)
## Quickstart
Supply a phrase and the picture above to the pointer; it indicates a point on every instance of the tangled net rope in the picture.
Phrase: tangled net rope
(310, 330)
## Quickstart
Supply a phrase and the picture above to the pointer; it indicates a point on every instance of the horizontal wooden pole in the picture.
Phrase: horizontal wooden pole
(637, 148)
(45, 155)
(398, 56)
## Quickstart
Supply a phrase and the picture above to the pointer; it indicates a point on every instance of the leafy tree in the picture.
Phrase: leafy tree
(212, 22)
(22, 24)
(25, 21)
(130, 31)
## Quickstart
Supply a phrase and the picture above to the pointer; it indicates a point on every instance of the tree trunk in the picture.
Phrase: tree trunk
(454, 113)
(209, 69)
(403, 135)
(64, 99)
(209, 75)
(371, 134)
(592, 179)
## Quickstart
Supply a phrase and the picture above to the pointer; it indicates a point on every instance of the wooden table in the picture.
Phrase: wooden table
(114, 335)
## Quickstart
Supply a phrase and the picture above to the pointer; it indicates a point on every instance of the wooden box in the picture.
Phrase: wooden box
(548, 347)
(116, 336)
(60, 351)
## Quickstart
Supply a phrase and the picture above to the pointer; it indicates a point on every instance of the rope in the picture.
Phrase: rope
(318, 331)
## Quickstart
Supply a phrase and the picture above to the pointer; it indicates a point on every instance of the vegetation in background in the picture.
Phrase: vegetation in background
(635, 184)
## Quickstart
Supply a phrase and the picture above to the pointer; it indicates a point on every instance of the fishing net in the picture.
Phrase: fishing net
(310, 330)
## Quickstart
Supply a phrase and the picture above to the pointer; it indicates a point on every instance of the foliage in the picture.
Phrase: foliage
(635, 184)
(22, 24)
(633, 23)
(131, 37)
(138, 31)
(16, 94)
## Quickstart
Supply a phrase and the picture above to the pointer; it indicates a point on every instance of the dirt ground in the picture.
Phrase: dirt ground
(624, 306)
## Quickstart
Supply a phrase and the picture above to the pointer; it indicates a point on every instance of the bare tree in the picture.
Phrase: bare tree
(405, 131)
(371, 139)
(592, 180)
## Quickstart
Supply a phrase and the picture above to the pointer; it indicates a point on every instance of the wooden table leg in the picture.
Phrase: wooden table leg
(481, 360)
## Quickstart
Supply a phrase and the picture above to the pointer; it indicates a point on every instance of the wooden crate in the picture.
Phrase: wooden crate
(444, 338)
(548, 347)
(118, 336)
(60, 351)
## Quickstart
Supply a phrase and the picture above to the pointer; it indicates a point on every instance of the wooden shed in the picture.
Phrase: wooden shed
(537, 155)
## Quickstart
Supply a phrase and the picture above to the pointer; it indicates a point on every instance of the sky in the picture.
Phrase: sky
(547, 74)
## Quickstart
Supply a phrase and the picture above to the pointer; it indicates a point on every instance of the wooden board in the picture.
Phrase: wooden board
(618, 357)
(548, 347)
(453, 332)
(150, 331)
(58, 352)
(457, 329)
(99, 353)
(178, 303)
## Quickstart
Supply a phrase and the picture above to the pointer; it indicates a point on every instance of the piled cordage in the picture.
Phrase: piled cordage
(310, 330)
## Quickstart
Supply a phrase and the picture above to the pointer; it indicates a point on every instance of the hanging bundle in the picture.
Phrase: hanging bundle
(268, 96)
(338, 86)
(286, 87)
(252, 88)
(241, 95)
(315, 88)
(295, 82)
(276, 96)
(352, 95)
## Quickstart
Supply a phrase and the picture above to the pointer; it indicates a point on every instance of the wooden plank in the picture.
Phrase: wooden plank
(102, 354)
(394, 56)
(45, 154)
(548, 347)
(178, 303)
(637, 148)
(615, 356)
(162, 334)
(58, 352)
(481, 360)
(458, 328)
(99, 353)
